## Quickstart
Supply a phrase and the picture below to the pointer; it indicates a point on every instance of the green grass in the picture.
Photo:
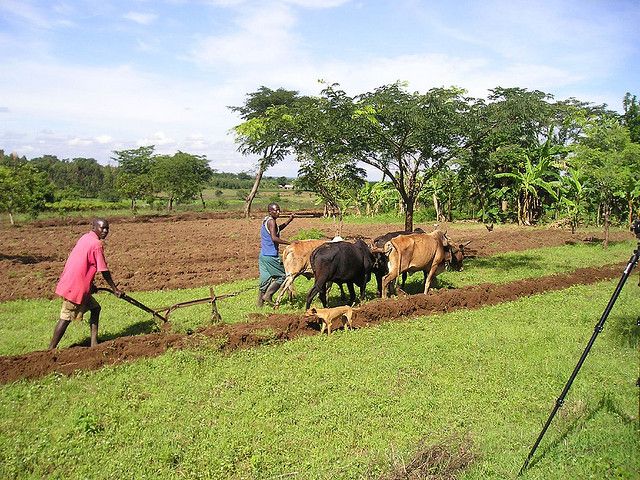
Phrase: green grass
(27, 325)
(342, 407)
(508, 267)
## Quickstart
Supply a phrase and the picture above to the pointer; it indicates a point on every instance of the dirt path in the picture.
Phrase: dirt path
(229, 337)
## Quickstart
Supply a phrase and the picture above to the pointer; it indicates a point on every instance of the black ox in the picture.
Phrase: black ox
(341, 262)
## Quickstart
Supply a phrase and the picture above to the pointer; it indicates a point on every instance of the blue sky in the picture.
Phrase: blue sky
(85, 77)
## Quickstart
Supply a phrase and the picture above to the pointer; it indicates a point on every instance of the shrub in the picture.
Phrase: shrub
(311, 234)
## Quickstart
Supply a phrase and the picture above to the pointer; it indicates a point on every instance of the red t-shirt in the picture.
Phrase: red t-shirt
(86, 258)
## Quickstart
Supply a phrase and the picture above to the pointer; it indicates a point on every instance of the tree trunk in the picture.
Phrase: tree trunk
(526, 210)
(408, 216)
(606, 225)
(504, 206)
(11, 219)
(630, 203)
(436, 206)
(202, 200)
(254, 192)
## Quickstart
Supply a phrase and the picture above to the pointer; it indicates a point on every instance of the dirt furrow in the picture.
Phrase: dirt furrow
(279, 327)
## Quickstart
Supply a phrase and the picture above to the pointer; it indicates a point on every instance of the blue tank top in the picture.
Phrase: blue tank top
(267, 247)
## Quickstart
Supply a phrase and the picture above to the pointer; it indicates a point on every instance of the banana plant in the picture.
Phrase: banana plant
(572, 196)
(528, 181)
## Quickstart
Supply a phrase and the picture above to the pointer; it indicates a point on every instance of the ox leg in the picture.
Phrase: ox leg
(312, 293)
(386, 280)
(427, 280)
(379, 283)
(352, 293)
(342, 294)
(323, 295)
(287, 285)
(363, 289)
(404, 279)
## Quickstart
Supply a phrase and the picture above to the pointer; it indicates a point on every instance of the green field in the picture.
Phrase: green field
(353, 405)
(216, 200)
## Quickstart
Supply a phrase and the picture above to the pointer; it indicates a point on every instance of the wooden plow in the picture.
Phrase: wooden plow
(164, 312)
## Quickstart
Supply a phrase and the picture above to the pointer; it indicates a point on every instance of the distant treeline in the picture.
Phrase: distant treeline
(244, 181)
(49, 183)
(86, 178)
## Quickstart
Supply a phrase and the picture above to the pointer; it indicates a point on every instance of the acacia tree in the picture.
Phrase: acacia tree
(262, 133)
(407, 136)
(410, 137)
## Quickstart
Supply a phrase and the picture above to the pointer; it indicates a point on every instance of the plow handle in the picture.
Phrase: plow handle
(136, 303)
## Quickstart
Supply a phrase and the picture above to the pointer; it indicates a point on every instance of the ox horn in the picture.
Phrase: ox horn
(375, 249)
(466, 243)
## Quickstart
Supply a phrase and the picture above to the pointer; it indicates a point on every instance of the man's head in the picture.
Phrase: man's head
(100, 228)
(274, 210)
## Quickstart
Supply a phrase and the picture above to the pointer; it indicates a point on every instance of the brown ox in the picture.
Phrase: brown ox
(295, 258)
(426, 252)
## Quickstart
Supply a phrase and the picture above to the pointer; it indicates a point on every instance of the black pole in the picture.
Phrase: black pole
(598, 328)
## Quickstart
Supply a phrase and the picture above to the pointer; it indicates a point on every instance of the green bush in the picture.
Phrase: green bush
(312, 233)
(84, 204)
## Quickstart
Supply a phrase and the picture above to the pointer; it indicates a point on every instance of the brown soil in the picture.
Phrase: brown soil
(181, 252)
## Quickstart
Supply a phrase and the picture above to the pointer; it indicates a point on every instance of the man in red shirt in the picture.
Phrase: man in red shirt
(76, 282)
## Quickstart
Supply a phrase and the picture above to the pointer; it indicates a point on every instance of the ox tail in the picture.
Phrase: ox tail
(286, 258)
(388, 248)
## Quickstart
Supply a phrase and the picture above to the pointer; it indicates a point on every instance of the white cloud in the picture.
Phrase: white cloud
(79, 142)
(25, 12)
(158, 139)
(196, 142)
(263, 37)
(141, 18)
(32, 15)
(103, 139)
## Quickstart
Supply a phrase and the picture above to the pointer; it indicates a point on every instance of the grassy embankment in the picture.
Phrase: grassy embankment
(347, 406)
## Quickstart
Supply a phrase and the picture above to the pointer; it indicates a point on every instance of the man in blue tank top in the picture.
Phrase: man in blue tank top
(272, 273)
